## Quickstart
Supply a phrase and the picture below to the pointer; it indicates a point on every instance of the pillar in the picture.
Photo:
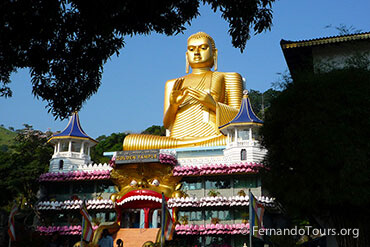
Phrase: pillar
(155, 218)
(142, 218)
(146, 219)
(82, 148)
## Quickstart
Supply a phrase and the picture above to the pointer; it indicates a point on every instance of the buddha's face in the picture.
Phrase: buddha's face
(199, 53)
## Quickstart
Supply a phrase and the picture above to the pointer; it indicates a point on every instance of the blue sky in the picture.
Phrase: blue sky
(131, 95)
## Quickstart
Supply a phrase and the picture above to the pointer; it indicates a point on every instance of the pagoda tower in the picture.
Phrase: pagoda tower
(71, 147)
(242, 141)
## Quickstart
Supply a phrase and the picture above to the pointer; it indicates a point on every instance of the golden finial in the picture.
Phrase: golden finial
(245, 93)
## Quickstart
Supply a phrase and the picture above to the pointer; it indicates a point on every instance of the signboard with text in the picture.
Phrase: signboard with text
(137, 156)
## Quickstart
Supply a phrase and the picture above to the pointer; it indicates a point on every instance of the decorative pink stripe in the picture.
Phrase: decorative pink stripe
(62, 230)
(210, 169)
(75, 204)
(212, 229)
(217, 201)
(75, 175)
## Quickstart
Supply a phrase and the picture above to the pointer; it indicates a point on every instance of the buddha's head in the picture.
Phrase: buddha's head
(201, 51)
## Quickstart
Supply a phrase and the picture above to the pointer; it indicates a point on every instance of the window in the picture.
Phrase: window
(243, 154)
(105, 188)
(209, 214)
(76, 147)
(246, 182)
(241, 214)
(193, 215)
(220, 214)
(192, 185)
(59, 188)
(213, 241)
(217, 184)
(86, 148)
(64, 146)
(61, 163)
(243, 135)
(111, 216)
(196, 215)
(99, 217)
(83, 188)
(61, 218)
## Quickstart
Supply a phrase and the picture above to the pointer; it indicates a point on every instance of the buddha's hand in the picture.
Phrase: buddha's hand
(178, 94)
(203, 97)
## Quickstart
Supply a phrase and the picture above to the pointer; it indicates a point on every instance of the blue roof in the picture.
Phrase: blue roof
(245, 116)
(73, 129)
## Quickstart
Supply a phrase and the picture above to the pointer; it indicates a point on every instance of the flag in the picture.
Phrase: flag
(167, 225)
(11, 229)
(256, 211)
(87, 230)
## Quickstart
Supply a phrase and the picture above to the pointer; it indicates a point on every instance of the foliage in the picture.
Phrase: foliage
(241, 193)
(155, 130)
(21, 168)
(115, 140)
(66, 43)
(184, 219)
(107, 144)
(6, 138)
(215, 220)
(213, 193)
(316, 134)
(262, 101)
(343, 29)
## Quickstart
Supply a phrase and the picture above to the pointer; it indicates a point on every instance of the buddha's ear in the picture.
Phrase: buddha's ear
(187, 63)
(215, 55)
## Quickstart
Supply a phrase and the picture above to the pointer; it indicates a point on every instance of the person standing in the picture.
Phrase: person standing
(106, 239)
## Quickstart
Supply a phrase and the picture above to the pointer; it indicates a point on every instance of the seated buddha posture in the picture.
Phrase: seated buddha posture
(197, 104)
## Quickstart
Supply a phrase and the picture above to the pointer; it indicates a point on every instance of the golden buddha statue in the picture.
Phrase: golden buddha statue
(197, 104)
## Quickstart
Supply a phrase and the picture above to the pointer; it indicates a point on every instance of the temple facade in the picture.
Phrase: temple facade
(211, 203)
(203, 169)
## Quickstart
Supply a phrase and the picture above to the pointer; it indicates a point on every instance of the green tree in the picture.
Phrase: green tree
(66, 43)
(107, 144)
(155, 130)
(22, 167)
(262, 101)
(317, 136)
(114, 142)
(7, 191)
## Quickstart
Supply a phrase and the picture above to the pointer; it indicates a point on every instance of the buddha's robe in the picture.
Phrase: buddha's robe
(195, 124)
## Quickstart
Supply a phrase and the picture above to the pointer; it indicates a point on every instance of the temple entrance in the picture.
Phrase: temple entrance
(131, 218)
(141, 218)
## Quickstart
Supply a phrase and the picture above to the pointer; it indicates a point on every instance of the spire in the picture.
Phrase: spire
(245, 116)
(73, 130)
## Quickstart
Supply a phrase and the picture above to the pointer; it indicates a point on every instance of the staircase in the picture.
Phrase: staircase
(135, 237)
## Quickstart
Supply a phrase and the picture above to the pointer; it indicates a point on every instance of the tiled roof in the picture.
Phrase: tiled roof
(287, 44)
(245, 116)
(73, 129)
